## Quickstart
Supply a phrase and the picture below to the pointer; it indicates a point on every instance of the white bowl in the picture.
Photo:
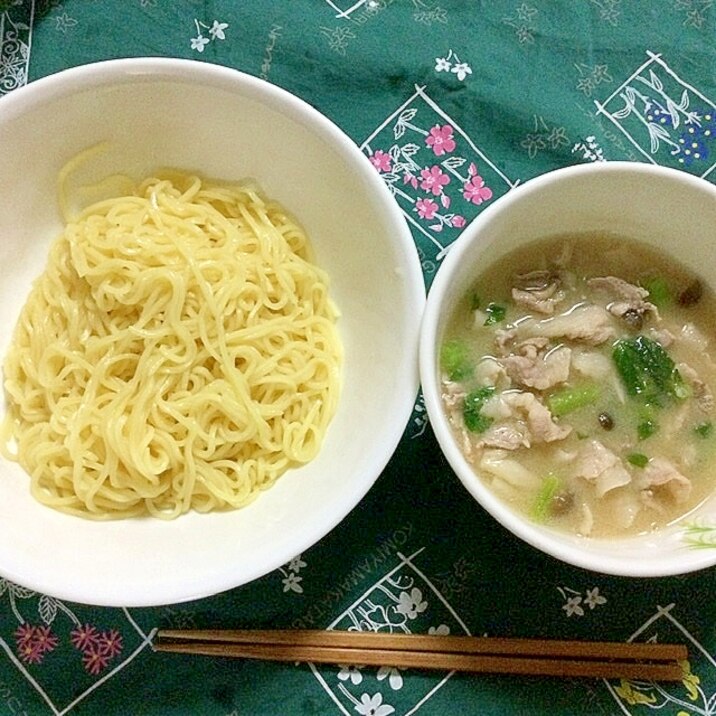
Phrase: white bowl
(665, 208)
(224, 124)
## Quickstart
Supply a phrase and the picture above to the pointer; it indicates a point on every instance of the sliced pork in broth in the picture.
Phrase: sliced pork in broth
(580, 385)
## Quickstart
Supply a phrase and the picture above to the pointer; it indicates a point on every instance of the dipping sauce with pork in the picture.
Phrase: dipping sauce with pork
(579, 380)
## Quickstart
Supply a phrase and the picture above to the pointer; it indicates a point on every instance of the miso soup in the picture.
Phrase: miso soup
(578, 377)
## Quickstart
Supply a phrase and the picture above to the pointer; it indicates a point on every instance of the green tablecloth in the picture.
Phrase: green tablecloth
(524, 87)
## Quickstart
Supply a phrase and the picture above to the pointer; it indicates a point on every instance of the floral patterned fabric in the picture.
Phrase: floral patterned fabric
(454, 102)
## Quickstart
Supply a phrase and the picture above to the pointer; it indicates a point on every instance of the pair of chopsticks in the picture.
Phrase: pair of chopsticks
(651, 662)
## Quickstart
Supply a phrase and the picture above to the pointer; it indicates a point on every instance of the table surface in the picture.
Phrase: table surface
(526, 87)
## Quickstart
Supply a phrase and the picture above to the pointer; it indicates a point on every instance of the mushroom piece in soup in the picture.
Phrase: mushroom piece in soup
(579, 383)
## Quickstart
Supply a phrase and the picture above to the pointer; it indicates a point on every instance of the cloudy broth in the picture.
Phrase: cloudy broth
(578, 378)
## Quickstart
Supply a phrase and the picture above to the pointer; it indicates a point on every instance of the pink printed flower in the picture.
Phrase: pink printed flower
(24, 634)
(381, 160)
(84, 637)
(440, 139)
(44, 639)
(426, 208)
(458, 221)
(433, 180)
(475, 190)
(31, 652)
(110, 643)
(94, 661)
(33, 642)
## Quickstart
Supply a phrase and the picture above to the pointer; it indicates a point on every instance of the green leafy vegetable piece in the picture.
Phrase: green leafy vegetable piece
(659, 292)
(646, 428)
(628, 363)
(548, 489)
(475, 421)
(495, 313)
(569, 399)
(637, 459)
(705, 429)
(647, 370)
(455, 360)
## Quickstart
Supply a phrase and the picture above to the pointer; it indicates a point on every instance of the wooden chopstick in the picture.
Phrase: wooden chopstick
(654, 662)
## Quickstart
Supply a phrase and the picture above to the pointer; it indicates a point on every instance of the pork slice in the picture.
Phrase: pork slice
(585, 323)
(453, 395)
(627, 300)
(503, 339)
(535, 365)
(507, 436)
(618, 288)
(537, 279)
(542, 425)
(600, 466)
(520, 420)
(453, 399)
(661, 472)
(537, 291)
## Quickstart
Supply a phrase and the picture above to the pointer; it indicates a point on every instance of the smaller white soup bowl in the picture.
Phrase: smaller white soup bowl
(667, 209)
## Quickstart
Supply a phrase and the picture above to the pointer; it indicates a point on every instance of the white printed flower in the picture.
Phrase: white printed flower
(441, 629)
(572, 606)
(338, 38)
(217, 30)
(395, 678)
(462, 70)
(411, 604)
(594, 598)
(373, 706)
(64, 22)
(352, 673)
(199, 42)
(296, 564)
(292, 583)
(524, 35)
(442, 64)
(526, 12)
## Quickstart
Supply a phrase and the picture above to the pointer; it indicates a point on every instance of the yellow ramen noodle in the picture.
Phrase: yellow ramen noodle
(179, 352)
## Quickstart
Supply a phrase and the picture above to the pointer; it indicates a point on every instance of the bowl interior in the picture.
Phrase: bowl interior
(191, 116)
(666, 209)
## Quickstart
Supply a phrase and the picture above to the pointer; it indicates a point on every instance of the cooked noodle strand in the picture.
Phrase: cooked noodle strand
(179, 352)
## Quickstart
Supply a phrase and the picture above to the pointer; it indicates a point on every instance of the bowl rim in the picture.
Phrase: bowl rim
(543, 539)
(44, 91)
